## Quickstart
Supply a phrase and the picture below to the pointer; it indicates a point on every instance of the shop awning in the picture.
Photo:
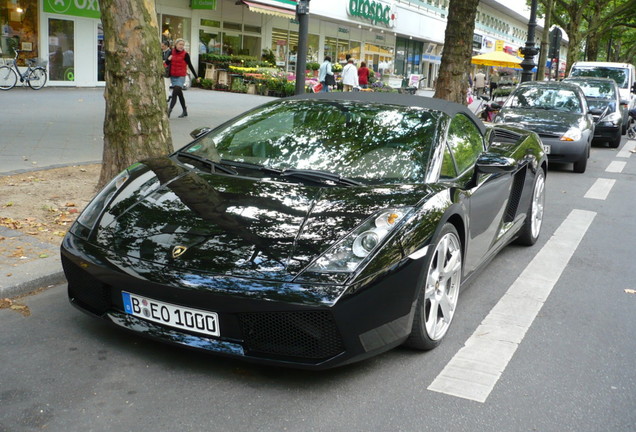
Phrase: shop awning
(281, 8)
(497, 58)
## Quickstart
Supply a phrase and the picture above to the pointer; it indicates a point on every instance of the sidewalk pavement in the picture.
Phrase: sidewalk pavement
(56, 127)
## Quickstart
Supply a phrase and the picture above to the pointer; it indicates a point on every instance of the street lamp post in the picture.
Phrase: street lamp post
(302, 13)
(530, 50)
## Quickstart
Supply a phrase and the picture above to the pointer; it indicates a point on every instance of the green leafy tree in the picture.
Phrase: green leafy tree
(136, 123)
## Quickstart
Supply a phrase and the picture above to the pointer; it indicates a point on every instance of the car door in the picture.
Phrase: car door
(486, 195)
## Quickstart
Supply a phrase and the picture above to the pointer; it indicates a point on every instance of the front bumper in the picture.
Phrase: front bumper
(310, 334)
(565, 151)
(607, 132)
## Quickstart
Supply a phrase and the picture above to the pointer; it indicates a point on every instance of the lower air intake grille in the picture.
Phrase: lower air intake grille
(311, 335)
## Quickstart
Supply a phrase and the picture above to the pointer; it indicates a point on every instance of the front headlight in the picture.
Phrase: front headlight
(91, 213)
(573, 134)
(350, 252)
(612, 119)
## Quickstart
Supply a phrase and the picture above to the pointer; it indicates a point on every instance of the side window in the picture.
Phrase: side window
(448, 165)
(465, 142)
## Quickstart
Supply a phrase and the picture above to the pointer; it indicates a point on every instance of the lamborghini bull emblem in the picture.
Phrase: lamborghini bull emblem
(177, 251)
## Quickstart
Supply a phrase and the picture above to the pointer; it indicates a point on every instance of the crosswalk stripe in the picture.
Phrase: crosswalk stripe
(473, 372)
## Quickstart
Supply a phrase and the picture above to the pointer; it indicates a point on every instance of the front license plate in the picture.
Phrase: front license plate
(546, 148)
(171, 315)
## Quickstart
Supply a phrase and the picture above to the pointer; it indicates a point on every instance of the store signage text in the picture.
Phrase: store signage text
(373, 11)
(81, 8)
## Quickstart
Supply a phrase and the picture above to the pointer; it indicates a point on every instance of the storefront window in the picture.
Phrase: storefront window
(101, 54)
(251, 46)
(231, 44)
(280, 46)
(313, 43)
(331, 45)
(175, 27)
(19, 29)
(61, 50)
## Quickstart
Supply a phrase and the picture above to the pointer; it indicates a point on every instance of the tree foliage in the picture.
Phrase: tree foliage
(597, 29)
(135, 124)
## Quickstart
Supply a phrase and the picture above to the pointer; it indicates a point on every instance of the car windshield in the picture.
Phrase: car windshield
(550, 98)
(369, 143)
(597, 89)
(617, 74)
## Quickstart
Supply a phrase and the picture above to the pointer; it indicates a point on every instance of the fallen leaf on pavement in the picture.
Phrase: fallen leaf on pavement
(630, 291)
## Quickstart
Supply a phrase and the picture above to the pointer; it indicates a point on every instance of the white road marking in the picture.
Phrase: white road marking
(627, 149)
(473, 372)
(600, 189)
(616, 167)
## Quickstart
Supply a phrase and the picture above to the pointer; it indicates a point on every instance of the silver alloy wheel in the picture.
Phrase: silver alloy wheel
(538, 202)
(442, 286)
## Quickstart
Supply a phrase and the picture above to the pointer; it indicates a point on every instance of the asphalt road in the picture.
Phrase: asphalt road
(573, 370)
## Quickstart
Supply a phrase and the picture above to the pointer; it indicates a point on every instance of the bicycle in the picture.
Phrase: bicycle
(34, 76)
(631, 124)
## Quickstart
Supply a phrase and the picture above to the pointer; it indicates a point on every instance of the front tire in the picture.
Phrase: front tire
(531, 229)
(581, 164)
(438, 291)
(8, 78)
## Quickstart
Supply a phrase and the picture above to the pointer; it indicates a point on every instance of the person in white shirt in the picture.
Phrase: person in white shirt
(349, 76)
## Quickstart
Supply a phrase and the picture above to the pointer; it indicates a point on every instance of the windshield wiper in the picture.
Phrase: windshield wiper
(214, 166)
(251, 165)
(319, 176)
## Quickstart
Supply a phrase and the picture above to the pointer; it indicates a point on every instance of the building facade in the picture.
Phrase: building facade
(396, 38)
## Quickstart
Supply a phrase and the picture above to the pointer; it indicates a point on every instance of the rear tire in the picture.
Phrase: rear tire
(438, 291)
(8, 78)
(37, 78)
(531, 229)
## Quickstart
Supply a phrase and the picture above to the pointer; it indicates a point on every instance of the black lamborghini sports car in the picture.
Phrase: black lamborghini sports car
(311, 231)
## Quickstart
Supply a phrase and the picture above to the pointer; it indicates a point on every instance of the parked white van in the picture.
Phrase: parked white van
(623, 73)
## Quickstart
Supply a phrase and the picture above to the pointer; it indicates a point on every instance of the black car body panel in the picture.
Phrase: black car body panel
(263, 250)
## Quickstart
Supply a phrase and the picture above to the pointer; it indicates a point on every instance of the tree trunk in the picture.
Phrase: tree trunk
(452, 81)
(545, 40)
(136, 123)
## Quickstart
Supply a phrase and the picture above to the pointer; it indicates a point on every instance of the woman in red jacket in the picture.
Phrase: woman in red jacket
(179, 62)
(363, 75)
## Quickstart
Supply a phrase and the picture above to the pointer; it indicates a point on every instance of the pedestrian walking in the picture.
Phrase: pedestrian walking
(480, 83)
(165, 53)
(325, 75)
(363, 75)
(494, 80)
(349, 76)
(179, 63)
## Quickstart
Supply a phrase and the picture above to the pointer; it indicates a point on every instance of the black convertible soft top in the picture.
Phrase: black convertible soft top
(449, 108)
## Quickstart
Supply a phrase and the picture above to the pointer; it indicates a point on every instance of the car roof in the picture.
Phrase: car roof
(555, 84)
(434, 104)
(590, 79)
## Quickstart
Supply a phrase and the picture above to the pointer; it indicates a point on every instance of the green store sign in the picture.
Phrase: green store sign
(203, 4)
(80, 8)
(376, 12)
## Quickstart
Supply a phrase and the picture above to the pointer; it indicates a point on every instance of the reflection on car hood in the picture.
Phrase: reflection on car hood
(541, 121)
(234, 225)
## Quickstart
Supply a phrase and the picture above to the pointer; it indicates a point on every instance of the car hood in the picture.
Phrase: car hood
(236, 226)
(541, 121)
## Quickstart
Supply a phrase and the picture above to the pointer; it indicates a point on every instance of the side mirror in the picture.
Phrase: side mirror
(596, 111)
(200, 131)
(495, 106)
(489, 163)
(624, 102)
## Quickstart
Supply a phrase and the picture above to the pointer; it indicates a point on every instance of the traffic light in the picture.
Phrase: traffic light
(555, 42)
